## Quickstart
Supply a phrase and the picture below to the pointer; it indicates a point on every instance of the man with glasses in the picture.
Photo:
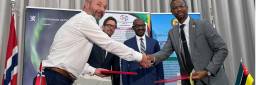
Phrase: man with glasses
(200, 49)
(141, 43)
(100, 58)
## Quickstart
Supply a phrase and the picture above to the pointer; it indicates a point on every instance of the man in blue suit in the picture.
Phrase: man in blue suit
(143, 44)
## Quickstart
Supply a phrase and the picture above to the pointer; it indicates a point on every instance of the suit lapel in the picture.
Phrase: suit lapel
(148, 44)
(192, 30)
(176, 38)
(177, 42)
(135, 44)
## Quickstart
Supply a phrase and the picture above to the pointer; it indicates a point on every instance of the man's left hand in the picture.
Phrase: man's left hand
(198, 75)
(99, 73)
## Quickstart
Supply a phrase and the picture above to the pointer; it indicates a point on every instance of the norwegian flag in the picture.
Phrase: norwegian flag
(11, 60)
(40, 77)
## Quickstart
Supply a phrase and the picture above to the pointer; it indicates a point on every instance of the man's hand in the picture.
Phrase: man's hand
(99, 73)
(198, 75)
(146, 61)
(152, 59)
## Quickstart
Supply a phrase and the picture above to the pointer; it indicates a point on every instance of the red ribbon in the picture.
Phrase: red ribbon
(119, 72)
(173, 79)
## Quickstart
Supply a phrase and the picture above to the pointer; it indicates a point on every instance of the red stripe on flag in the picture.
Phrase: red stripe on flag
(14, 79)
(245, 70)
(12, 42)
(40, 79)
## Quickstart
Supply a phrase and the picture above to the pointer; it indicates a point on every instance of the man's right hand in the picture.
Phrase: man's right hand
(146, 61)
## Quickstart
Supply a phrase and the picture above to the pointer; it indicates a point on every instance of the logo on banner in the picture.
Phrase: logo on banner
(124, 18)
(32, 18)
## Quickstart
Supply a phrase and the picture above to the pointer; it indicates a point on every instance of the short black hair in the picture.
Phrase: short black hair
(134, 21)
(176, 0)
(109, 18)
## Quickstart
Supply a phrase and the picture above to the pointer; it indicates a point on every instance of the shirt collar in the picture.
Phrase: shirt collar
(186, 22)
(91, 17)
(138, 37)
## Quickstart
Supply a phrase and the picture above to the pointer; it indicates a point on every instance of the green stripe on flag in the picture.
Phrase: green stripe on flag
(239, 75)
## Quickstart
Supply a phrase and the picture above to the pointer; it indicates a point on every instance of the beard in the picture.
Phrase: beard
(97, 15)
(181, 17)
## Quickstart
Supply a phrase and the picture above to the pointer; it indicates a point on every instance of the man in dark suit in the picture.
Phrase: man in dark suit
(200, 49)
(99, 58)
(143, 44)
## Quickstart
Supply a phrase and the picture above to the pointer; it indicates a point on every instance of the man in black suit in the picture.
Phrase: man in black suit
(100, 58)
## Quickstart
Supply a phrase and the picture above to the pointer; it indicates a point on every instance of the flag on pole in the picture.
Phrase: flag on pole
(11, 60)
(40, 77)
(243, 76)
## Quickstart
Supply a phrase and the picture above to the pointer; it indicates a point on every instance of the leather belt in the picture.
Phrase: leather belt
(62, 72)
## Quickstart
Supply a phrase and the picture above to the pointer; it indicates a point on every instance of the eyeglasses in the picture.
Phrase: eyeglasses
(178, 6)
(110, 26)
(139, 26)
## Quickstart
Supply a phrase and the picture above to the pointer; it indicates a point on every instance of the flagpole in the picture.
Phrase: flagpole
(20, 6)
(13, 7)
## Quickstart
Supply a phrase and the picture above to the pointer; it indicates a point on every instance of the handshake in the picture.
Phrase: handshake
(147, 61)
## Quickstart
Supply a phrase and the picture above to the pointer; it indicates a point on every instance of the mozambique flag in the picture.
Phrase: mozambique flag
(243, 76)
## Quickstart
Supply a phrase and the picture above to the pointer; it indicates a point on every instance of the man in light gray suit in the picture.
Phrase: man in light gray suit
(200, 49)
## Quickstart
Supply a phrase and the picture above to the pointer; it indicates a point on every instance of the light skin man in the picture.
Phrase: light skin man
(100, 58)
(109, 27)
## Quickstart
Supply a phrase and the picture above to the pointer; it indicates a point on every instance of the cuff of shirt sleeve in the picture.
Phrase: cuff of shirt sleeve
(138, 56)
(92, 70)
(88, 70)
(208, 72)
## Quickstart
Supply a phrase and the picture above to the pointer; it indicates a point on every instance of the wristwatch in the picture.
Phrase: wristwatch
(209, 73)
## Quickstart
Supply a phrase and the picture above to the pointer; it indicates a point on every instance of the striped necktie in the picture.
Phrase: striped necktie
(142, 46)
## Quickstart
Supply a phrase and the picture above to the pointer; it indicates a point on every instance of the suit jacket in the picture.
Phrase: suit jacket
(97, 59)
(145, 76)
(207, 50)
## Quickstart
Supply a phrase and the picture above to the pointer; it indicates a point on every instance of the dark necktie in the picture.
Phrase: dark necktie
(142, 46)
(186, 56)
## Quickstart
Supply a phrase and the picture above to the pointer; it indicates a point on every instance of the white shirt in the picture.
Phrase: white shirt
(72, 45)
(186, 30)
(138, 41)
